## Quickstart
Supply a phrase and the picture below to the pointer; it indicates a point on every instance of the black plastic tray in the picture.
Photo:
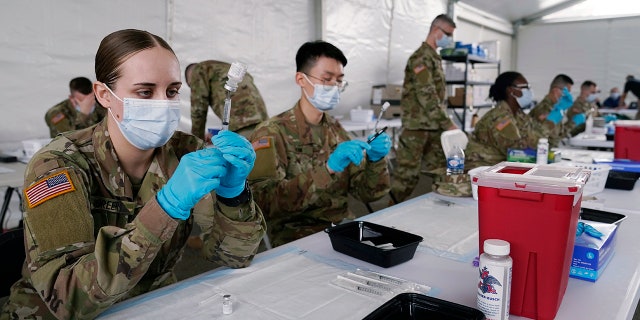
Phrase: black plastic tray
(601, 216)
(347, 238)
(622, 180)
(417, 306)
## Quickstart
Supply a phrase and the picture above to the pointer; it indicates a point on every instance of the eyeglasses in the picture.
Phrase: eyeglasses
(327, 85)
(521, 86)
(449, 34)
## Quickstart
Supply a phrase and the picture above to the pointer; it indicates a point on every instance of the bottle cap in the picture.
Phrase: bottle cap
(543, 140)
(497, 247)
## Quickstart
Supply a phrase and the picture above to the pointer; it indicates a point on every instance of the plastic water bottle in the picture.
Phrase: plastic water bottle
(542, 155)
(455, 161)
(494, 282)
(588, 126)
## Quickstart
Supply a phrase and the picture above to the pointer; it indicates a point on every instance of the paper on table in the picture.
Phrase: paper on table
(258, 292)
(6, 170)
(456, 234)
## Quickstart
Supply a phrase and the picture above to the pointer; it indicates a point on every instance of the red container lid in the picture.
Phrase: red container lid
(550, 179)
(627, 123)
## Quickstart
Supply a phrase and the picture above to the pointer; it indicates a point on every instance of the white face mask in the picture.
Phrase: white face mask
(323, 100)
(615, 95)
(591, 97)
(526, 99)
(148, 124)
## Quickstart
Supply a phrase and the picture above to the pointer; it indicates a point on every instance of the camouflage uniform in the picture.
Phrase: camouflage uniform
(100, 238)
(207, 89)
(581, 105)
(423, 120)
(64, 117)
(292, 184)
(540, 112)
(498, 130)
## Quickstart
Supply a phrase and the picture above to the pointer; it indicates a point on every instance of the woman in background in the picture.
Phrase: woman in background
(506, 125)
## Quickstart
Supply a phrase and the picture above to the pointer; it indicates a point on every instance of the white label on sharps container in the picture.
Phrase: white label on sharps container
(492, 292)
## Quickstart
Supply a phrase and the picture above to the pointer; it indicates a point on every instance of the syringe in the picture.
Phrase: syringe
(384, 107)
(235, 75)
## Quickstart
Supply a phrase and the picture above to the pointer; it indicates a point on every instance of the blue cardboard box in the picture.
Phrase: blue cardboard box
(590, 254)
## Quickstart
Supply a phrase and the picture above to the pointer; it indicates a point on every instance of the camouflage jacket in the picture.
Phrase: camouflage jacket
(581, 105)
(64, 117)
(207, 89)
(498, 130)
(92, 241)
(424, 92)
(540, 112)
(292, 184)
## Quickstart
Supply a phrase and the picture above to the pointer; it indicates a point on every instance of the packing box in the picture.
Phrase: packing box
(590, 254)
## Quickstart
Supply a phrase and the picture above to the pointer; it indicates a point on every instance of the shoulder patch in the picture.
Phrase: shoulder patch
(261, 143)
(419, 68)
(57, 118)
(502, 123)
(48, 187)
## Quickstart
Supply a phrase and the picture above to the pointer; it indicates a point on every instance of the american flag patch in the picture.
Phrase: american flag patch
(264, 142)
(503, 123)
(419, 68)
(57, 118)
(47, 188)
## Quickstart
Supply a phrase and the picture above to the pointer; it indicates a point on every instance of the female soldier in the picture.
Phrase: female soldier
(108, 208)
(506, 125)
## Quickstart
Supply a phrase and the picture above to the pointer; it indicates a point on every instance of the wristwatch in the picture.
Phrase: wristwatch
(243, 197)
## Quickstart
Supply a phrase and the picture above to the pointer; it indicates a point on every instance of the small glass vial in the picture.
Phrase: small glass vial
(227, 304)
(494, 285)
(542, 155)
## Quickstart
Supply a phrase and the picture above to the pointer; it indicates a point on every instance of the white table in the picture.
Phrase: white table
(591, 141)
(614, 296)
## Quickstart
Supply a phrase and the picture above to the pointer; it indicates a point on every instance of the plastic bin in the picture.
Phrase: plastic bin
(598, 179)
(348, 239)
(625, 144)
(408, 306)
(536, 209)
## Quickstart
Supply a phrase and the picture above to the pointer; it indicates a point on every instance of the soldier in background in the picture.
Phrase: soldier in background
(306, 163)
(506, 125)
(583, 107)
(79, 111)
(109, 208)
(550, 111)
(206, 80)
(423, 115)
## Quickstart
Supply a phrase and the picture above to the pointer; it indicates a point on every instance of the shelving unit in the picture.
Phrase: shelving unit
(469, 62)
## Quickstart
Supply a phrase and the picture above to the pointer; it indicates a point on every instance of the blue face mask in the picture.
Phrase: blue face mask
(148, 124)
(591, 97)
(323, 100)
(444, 42)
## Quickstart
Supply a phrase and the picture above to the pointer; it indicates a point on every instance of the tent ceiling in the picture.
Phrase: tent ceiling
(527, 11)
(524, 11)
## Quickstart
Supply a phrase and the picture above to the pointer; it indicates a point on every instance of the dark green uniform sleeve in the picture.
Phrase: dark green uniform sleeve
(200, 97)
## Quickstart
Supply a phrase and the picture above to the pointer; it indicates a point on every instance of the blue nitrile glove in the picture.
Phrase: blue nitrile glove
(197, 174)
(610, 117)
(555, 116)
(566, 100)
(238, 152)
(579, 118)
(348, 151)
(380, 146)
(588, 229)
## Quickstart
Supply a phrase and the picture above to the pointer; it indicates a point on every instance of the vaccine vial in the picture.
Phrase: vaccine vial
(542, 155)
(227, 304)
(494, 283)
